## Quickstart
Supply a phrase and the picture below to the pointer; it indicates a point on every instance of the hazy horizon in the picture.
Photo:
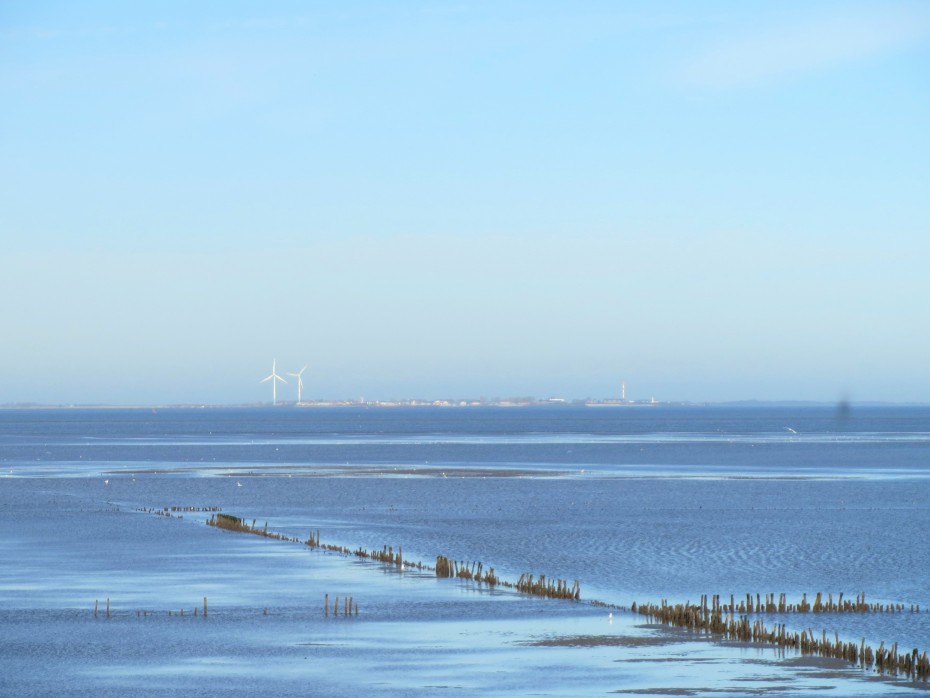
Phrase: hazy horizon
(705, 200)
(471, 401)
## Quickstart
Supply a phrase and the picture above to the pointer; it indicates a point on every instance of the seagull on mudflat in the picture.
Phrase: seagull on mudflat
(791, 430)
(238, 484)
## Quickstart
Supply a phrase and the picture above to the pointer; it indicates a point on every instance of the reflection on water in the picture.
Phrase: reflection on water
(636, 504)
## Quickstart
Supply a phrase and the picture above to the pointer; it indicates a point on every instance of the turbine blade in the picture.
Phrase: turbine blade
(265, 380)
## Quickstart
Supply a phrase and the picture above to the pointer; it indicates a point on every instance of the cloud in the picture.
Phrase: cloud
(807, 48)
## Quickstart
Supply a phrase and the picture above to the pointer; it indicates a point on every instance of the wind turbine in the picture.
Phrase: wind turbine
(300, 381)
(274, 378)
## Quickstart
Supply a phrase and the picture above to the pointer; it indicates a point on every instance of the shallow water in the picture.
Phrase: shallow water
(637, 503)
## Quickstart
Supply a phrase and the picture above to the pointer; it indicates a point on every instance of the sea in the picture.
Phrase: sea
(107, 565)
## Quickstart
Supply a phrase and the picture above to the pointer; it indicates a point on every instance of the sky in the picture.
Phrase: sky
(706, 201)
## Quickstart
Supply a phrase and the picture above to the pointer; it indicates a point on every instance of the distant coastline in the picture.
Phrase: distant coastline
(413, 402)
(466, 403)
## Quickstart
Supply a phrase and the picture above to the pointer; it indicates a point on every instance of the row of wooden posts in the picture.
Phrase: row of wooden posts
(148, 613)
(712, 615)
(177, 512)
(349, 606)
(768, 604)
(385, 555)
(475, 571)
(527, 584)
(721, 620)
(558, 589)
(466, 570)
(234, 523)
(445, 568)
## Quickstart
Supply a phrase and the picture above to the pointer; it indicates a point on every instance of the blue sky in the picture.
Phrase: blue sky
(706, 200)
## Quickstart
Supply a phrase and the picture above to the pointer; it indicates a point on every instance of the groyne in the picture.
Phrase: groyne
(732, 622)
(735, 619)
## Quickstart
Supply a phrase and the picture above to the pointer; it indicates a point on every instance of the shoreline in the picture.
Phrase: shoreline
(445, 403)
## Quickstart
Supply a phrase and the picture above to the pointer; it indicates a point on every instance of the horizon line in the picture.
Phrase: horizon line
(509, 402)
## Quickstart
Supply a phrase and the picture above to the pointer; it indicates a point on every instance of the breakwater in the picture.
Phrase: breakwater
(732, 622)
(721, 618)
(444, 567)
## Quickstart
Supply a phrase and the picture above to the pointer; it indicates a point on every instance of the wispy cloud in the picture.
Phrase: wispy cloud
(808, 47)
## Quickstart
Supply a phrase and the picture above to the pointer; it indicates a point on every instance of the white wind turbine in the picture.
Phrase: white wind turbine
(300, 381)
(274, 378)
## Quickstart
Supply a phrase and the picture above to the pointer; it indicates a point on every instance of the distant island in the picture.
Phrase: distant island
(412, 402)
(508, 402)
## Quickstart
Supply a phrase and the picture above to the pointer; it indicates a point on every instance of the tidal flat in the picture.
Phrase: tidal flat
(78, 530)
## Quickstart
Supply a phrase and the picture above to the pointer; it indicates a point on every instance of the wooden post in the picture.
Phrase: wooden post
(204, 606)
(108, 607)
(96, 601)
(326, 606)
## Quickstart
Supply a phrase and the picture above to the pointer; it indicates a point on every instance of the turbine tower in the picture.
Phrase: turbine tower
(274, 378)
(300, 381)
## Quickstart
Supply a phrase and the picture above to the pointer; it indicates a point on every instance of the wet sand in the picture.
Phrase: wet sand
(267, 633)
(669, 513)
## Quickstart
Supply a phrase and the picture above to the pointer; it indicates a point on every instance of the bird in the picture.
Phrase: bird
(238, 484)
(106, 482)
(610, 617)
(791, 430)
